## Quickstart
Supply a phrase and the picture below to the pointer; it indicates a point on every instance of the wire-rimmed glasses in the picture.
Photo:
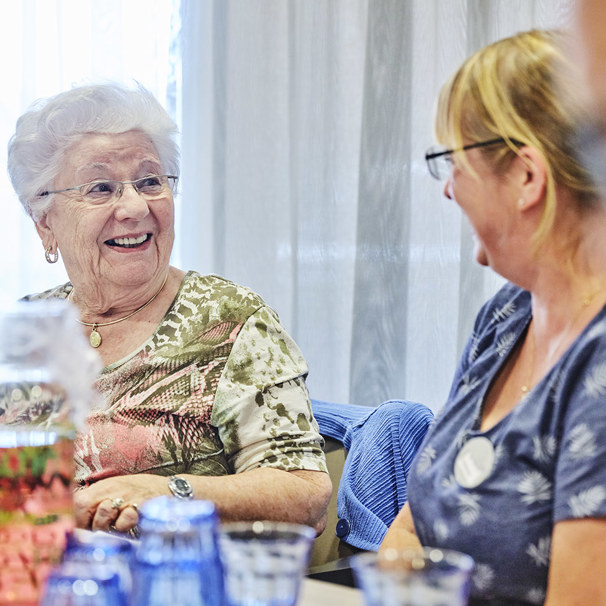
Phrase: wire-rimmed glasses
(439, 160)
(103, 191)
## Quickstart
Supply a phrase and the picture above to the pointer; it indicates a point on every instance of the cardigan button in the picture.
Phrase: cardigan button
(343, 528)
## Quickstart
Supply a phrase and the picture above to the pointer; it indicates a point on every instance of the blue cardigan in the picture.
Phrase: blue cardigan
(381, 444)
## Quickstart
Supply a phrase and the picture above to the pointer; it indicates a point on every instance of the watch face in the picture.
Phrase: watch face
(180, 487)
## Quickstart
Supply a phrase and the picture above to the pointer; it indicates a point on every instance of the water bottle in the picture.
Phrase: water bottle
(46, 375)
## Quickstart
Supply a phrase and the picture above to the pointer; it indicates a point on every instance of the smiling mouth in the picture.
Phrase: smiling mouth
(128, 242)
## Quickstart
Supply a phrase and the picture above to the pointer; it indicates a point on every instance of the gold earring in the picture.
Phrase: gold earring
(50, 256)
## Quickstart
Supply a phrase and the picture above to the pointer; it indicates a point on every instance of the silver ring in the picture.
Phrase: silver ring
(134, 532)
(117, 503)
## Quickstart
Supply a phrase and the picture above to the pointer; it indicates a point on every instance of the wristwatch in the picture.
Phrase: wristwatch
(181, 487)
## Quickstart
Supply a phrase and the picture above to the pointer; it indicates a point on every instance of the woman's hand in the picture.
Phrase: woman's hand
(401, 534)
(112, 504)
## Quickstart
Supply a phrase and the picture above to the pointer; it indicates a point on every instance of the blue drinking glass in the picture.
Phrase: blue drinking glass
(177, 558)
(102, 549)
(83, 584)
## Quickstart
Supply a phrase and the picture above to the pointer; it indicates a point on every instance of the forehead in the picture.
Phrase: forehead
(128, 150)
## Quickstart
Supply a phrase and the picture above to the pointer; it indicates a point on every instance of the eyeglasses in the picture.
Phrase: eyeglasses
(151, 187)
(439, 162)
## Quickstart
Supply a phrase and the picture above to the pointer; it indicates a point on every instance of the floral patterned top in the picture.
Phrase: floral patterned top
(549, 455)
(219, 388)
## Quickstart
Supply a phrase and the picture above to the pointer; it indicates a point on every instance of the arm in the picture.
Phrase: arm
(273, 448)
(259, 494)
(401, 534)
(578, 561)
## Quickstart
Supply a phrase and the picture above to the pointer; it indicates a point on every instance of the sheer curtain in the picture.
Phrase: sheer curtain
(305, 125)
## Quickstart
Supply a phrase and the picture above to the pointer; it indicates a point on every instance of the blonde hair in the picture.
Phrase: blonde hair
(520, 89)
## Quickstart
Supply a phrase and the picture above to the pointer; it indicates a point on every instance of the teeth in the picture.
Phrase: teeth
(129, 241)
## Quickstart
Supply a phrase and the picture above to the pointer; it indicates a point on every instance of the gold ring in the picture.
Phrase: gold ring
(117, 503)
(133, 505)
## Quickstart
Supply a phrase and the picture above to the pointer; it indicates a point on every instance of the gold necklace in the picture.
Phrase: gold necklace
(587, 299)
(95, 337)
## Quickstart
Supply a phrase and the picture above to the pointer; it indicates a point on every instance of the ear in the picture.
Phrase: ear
(45, 232)
(528, 174)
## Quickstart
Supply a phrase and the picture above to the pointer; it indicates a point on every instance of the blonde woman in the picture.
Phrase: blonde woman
(512, 472)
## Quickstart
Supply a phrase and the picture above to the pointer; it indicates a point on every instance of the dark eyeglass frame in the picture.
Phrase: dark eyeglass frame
(170, 181)
(431, 155)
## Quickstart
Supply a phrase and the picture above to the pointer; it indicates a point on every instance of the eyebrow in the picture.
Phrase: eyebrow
(154, 164)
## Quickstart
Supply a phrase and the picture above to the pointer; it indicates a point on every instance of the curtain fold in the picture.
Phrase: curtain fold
(305, 127)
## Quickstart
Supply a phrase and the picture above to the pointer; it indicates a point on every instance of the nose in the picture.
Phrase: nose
(130, 204)
(448, 188)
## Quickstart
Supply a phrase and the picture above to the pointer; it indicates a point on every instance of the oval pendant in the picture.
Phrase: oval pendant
(474, 462)
(94, 338)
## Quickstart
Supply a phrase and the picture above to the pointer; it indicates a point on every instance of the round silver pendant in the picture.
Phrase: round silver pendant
(474, 462)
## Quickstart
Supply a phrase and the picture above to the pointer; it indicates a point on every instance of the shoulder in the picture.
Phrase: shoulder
(57, 292)
(224, 296)
(509, 302)
(210, 303)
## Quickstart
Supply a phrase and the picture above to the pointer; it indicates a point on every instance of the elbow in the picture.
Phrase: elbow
(318, 513)
(309, 501)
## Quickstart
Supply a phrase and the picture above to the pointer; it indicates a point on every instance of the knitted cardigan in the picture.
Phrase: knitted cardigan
(381, 444)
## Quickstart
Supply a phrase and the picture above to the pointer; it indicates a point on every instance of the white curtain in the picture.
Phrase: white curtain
(304, 125)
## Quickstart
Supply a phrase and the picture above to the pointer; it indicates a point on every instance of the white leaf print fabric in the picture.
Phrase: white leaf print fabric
(549, 464)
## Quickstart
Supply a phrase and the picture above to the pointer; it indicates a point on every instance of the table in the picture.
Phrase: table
(321, 593)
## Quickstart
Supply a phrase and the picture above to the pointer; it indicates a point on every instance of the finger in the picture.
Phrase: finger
(106, 515)
(84, 510)
(128, 518)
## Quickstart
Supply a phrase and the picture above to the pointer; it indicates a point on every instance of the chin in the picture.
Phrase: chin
(482, 257)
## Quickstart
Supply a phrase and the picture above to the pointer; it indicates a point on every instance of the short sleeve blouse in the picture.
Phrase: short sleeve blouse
(549, 457)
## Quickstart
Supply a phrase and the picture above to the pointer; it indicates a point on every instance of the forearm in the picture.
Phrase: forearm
(268, 494)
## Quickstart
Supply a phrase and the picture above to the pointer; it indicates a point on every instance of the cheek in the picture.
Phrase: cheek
(76, 230)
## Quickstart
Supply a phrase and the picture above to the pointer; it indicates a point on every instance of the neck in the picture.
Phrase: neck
(95, 337)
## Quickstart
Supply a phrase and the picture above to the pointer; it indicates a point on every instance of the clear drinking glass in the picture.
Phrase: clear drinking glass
(45, 372)
(176, 560)
(264, 562)
(413, 577)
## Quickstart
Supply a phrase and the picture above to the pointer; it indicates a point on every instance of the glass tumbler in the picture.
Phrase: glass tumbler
(83, 584)
(264, 562)
(100, 549)
(176, 561)
(413, 577)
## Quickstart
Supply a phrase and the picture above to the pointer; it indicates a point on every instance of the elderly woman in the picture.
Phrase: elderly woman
(204, 391)
(512, 471)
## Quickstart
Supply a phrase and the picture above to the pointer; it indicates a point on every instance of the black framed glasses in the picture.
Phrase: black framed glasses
(100, 192)
(439, 161)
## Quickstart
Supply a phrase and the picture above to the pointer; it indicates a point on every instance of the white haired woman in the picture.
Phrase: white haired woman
(204, 391)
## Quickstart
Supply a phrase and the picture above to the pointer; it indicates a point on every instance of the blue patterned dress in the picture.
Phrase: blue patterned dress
(550, 457)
